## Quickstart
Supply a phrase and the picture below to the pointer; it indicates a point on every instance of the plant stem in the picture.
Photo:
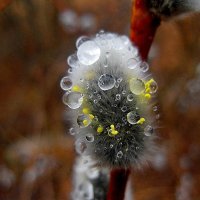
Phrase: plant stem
(117, 185)
(143, 27)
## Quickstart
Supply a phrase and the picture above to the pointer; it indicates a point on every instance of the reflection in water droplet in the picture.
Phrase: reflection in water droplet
(66, 83)
(132, 63)
(106, 82)
(148, 130)
(88, 53)
(81, 40)
(74, 99)
(119, 154)
(132, 117)
(89, 137)
(136, 86)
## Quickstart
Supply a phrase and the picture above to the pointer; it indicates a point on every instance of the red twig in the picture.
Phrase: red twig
(117, 185)
(143, 27)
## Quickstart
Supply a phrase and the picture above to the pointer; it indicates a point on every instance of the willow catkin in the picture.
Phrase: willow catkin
(111, 93)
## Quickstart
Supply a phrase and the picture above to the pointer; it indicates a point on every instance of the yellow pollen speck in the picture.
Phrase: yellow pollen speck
(112, 130)
(76, 88)
(147, 96)
(85, 122)
(91, 116)
(86, 110)
(141, 121)
(100, 129)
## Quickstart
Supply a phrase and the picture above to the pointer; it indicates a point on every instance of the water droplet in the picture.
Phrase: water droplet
(72, 61)
(66, 83)
(132, 63)
(124, 108)
(155, 108)
(88, 53)
(72, 131)
(118, 97)
(148, 130)
(116, 84)
(144, 66)
(93, 173)
(124, 92)
(95, 101)
(136, 86)
(70, 71)
(130, 97)
(119, 154)
(80, 146)
(132, 117)
(153, 87)
(83, 120)
(89, 137)
(125, 40)
(74, 99)
(119, 80)
(99, 96)
(107, 54)
(81, 40)
(106, 82)
(111, 146)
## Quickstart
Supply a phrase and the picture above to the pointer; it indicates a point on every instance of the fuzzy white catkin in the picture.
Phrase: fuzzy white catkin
(167, 8)
(111, 93)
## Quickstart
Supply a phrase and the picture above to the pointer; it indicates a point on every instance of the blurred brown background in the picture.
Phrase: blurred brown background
(37, 153)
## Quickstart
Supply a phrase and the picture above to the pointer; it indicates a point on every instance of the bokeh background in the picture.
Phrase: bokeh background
(37, 152)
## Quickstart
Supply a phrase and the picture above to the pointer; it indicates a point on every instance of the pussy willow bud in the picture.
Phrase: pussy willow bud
(167, 8)
(111, 95)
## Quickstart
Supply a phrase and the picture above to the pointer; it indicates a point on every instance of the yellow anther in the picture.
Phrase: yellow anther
(148, 84)
(100, 129)
(147, 96)
(91, 116)
(85, 122)
(76, 88)
(112, 130)
(86, 110)
(141, 121)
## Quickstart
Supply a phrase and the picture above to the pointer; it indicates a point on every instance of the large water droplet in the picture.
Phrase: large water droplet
(83, 120)
(66, 83)
(124, 108)
(132, 63)
(88, 53)
(106, 82)
(148, 130)
(132, 117)
(136, 86)
(81, 40)
(89, 137)
(74, 99)
(119, 154)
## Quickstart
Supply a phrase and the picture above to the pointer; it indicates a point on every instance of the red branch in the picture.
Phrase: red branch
(143, 27)
(117, 185)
